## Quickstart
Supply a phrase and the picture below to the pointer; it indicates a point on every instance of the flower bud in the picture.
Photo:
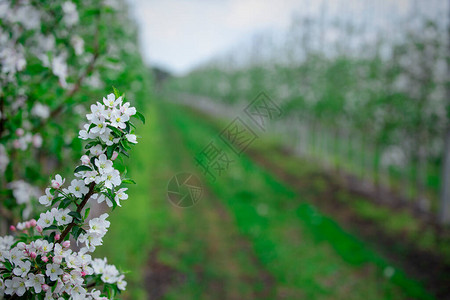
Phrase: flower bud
(83, 273)
(55, 184)
(114, 155)
(57, 259)
(27, 224)
(45, 287)
(20, 132)
(57, 237)
(85, 160)
(16, 144)
(12, 228)
(33, 223)
(44, 259)
(33, 255)
(66, 244)
(37, 140)
(21, 246)
(39, 229)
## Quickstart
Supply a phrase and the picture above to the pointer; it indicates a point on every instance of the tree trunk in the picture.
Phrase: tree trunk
(421, 176)
(444, 215)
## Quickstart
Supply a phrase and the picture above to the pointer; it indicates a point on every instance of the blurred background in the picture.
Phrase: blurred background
(293, 149)
(319, 133)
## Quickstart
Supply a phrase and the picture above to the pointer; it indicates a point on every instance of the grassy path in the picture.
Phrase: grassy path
(250, 237)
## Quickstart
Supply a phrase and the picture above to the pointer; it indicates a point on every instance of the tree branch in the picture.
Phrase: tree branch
(79, 209)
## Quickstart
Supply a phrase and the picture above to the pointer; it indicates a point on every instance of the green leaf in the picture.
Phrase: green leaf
(116, 92)
(125, 153)
(125, 144)
(51, 227)
(82, 168)
(114, 203)
(66, 202)
(56, 200)
(140, 117)
(114, 60)
(110, 196)
(90, 145)
(76, 231)
(7, 265)
(51, 238)
(91, 126)
(86, 213)
(128, 181)
(115, 130)
(109, 151)
(76, 215)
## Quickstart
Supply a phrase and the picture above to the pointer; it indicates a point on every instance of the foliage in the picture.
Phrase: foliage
(55, 56)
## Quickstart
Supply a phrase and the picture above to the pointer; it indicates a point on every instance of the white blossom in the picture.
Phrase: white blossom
(45, 219)
(35, 281)
(47, 198)
(111, 179)
(104, 165)
(62, 217)
(22, 268)
(78, 188)
(121, 195)
(53, 271)
(59, 68)
(70, 13)
(77, 44)
(111, 100)
(23, 192)
(40, 110)
(96, 150)
(57, 182)
(16, 285)
(131, 138)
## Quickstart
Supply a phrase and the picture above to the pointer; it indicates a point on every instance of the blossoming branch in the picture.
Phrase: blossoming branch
(38, 261)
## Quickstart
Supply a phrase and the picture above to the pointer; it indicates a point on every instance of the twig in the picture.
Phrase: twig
(79, 209)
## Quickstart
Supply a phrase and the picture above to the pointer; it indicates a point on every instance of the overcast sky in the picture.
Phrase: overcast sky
(180, 34)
